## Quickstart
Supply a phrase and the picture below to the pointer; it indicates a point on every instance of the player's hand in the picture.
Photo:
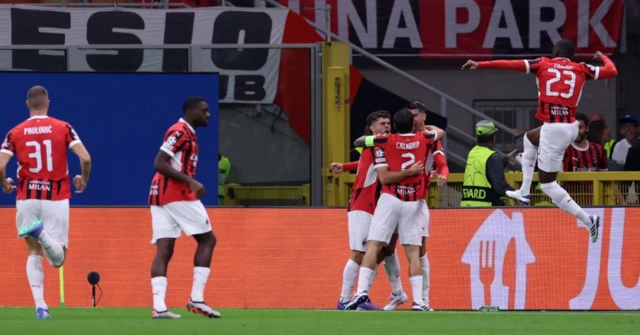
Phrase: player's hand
(7, 186)
(442, 181)
(79, 183)
(512, 157)
(197, 188)
(336, 167)
(598, 55)
(433, 174)
(416, 169)
(470, 65)
(519, 132)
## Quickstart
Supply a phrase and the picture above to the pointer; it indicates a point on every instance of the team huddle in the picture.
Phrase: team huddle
(387, 203)
(393, 169)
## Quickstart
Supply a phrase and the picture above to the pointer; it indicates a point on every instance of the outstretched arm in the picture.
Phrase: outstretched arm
(607, 71)
(520, 65)
(390, 177)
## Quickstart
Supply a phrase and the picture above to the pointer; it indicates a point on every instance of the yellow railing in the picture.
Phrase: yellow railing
(238, 195)
(587, 189)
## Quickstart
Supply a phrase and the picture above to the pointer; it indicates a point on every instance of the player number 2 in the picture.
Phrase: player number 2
(558, 75)
(37, 154)
(409, 162)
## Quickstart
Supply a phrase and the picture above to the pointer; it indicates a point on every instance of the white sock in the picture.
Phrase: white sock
(35, 274)
(349, 276)
(392, 268)
(200, 277)
(416, 289)
(159, 287)
(426, 271)
(529, 157)
(562, 199)
(52, 249)
(364, 279)
(373, 278)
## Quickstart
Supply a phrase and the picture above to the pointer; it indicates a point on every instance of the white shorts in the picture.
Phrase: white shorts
(53, 213)
(359, 222)
(188, 216)
(424, 215)
(555, 138)
(407, 216)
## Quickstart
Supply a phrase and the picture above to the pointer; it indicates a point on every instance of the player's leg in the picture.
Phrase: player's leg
(554, 139)
(411, 227)
(358, 223)
(382, 226)
(194, 221)
(529, 156)
(165, 232)
(392, 268)
(424, 260)
(32, 224)
(35, 275)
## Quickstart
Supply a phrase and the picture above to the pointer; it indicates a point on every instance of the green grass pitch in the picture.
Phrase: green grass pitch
(128, 321)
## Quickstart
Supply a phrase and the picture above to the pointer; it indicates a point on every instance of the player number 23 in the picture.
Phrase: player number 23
(39, 155)
(558, 75)
(411, 158)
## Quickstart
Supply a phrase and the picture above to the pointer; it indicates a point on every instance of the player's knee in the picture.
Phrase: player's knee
(357, 256)
(165, 253)
(207, 240)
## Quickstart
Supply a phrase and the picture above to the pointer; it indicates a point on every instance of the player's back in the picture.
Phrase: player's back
(366, 186)
(402, 151)
(41, 145)
(560, 82)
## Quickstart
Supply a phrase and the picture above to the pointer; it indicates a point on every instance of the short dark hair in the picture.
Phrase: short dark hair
(484, 139)
(373, 117)
(583, 117)
(403, 120)
(417, 104)
(565, 48)
(191, 103)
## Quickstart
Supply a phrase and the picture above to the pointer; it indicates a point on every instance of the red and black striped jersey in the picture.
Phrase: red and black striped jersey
(40, 145)
(366, 187)
(591, 158)
(398, 152)
(560, 82)
(181, 144)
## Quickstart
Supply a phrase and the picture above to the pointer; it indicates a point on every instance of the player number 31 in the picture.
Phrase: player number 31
(37, 154)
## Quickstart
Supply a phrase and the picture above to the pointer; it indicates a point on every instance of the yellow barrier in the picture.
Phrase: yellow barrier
(238, 195)
(587, 189)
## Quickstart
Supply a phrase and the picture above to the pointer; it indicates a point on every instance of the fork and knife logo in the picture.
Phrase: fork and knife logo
(486, 253)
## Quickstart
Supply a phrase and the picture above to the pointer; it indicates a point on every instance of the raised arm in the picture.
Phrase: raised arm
(607, 71)
(520, 65)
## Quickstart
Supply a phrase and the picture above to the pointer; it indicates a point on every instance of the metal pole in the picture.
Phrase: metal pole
(407, 76)
(316, 128)
(328, 16)
(443, 112)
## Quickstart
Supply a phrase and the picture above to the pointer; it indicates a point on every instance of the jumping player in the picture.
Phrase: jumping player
(42, 195)
(362, 203)
(175, 207)
(399, 205)
(560, 83)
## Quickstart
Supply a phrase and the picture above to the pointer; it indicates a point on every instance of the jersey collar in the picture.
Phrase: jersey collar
(188, 125)
(39, 117)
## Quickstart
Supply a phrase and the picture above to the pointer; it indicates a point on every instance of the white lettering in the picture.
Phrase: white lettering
(536, 27)
(347, 13)
(407, 146)
(500, 8)
(452, 27)
(595, 22)
(587, 296)
(402, 8)
(625, 297)
(39, 185)
(38, 130)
